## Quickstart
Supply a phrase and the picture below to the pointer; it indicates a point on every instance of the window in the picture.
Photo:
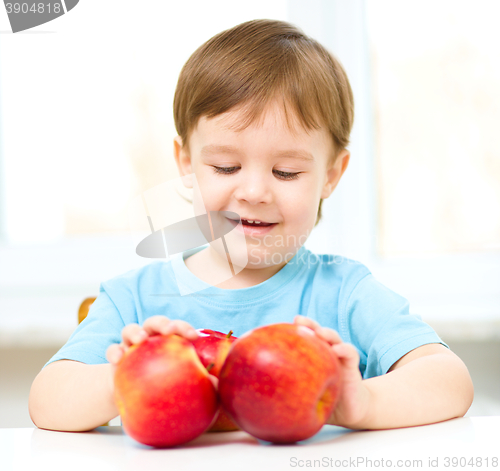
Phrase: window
(436, 109)
(445, 261)
(87, 119)
(86, 124)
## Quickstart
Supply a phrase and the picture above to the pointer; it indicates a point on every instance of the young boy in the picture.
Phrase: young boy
(263, 115)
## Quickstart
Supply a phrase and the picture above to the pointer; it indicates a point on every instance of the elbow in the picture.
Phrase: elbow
(468, 394)
(36, 404)
(457, 386)
(466, 390)
(33, 406)
(45, 410)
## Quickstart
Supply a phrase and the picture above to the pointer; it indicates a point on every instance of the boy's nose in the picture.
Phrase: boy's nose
(254, 190)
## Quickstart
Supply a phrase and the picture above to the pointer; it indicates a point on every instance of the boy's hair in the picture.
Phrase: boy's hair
(255, 63)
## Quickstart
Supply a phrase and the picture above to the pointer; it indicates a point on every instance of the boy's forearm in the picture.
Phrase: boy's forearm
(430, 389)
(72, 396)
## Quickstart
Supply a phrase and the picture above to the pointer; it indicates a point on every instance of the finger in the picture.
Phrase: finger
(330, 335)
(114, 353)
(182, 328)
(132, 334)
(163, 325)
(307, 321)
(155, 324)
(347, 354)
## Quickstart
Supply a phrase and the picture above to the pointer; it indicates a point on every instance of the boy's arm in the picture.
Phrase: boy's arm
(427, 385)
(72, 396)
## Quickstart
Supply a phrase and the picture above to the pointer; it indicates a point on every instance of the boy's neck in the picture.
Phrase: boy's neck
(206, 263)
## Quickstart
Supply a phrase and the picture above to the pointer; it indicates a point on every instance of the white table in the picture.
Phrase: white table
(108, 448)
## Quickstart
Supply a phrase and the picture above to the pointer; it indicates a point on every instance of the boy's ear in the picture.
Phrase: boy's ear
(334, 172)
(183, 161)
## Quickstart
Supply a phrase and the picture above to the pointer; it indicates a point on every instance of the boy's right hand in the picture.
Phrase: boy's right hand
(135, 334)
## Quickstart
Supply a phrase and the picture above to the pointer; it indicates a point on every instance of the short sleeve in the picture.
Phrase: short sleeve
(90, 340)
(380, 326)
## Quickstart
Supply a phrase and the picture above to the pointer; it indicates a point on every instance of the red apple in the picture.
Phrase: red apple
(163, 392)
(212, 348)
(280, 382)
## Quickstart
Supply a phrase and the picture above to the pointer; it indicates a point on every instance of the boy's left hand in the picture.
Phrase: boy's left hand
(354, 399)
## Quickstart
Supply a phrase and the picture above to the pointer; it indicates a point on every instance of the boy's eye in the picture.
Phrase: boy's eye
(281, 175)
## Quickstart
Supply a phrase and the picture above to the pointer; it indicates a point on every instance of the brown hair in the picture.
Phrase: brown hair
(259, 61)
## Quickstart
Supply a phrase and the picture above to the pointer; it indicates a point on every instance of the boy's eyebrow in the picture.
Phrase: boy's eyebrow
(224, 149)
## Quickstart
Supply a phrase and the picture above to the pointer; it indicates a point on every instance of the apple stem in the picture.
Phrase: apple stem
(210, 366)
(229, 334)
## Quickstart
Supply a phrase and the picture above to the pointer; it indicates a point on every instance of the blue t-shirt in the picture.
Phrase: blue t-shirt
(342, 295)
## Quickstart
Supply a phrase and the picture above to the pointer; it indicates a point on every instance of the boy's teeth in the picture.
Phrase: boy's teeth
(252, 222)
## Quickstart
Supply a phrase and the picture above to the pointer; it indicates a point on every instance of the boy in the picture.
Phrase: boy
(263, 115)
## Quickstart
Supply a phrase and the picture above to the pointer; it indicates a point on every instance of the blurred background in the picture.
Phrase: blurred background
(86, 124)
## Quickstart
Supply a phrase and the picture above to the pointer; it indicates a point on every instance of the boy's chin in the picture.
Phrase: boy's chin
(258, 258)
(266, 257)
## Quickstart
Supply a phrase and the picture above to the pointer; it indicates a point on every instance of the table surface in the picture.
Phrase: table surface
(109, 448)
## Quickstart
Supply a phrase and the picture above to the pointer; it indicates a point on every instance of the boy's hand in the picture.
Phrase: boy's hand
(354, 401)
(135, 334)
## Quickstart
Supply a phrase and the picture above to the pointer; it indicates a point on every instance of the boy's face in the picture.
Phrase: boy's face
(271, 175)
